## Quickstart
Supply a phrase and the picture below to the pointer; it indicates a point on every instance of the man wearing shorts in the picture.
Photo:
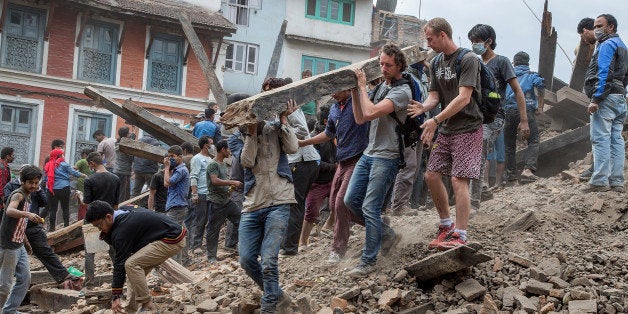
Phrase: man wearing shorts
(458, 148)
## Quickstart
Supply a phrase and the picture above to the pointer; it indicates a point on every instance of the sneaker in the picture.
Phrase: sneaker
(334, 258)
(390, 242)
(451, 241)
(586, 175)
(362, 270)
(595, 188)
(443, 232)
(486, 195)
(284, 303)
(618, 188)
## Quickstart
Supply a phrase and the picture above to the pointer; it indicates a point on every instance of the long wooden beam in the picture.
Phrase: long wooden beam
(142, 150)
(558, 142)
(203, 60)
(547, 50)
(267, 104)
(144, 119)
(585, 52)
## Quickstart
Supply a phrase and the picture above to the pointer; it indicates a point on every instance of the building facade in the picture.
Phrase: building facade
(129, 49)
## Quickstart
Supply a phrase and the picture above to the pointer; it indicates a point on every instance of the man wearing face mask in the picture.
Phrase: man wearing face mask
(177, 180)
(483, 39)
(102, 185)
(605, 84)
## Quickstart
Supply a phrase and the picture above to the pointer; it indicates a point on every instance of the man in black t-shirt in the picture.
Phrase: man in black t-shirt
(158, 193)
(102, 185)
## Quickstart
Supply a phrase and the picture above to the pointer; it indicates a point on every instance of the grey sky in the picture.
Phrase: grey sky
(516, 27)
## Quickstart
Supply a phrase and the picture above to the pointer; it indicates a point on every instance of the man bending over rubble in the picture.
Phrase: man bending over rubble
(142, 239)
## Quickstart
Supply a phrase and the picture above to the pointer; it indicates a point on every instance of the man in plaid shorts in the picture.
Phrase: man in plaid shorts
(458, 148)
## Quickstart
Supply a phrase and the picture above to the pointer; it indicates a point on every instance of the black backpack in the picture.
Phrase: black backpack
(490, 100)
(408, 132)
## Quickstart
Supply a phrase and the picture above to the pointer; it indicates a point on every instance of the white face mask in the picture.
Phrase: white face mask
(478, 48)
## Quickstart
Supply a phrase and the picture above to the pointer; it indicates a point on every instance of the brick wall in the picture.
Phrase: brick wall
(61, 42)
(133, 55)
(197, 85)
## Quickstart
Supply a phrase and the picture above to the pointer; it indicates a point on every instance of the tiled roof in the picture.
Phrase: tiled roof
(166, 9)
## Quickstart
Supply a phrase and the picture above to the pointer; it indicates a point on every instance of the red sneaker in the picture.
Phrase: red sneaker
(453, 240)
(443, 232)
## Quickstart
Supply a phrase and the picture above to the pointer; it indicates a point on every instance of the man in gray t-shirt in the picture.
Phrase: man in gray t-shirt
(375, 172)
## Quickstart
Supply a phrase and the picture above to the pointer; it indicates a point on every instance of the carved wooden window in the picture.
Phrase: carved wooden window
(165, 64)
(17, 129)
(85, 124)
(23, 38)
(98, 52)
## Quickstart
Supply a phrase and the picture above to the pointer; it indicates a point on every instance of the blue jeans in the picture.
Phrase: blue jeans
(13, 263)
(371, 179)
(261, 233)
(609, 150)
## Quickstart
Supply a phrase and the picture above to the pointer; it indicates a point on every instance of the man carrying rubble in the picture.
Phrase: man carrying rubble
(142, 240)
(605, 84)
(458, 148)
(376, 170)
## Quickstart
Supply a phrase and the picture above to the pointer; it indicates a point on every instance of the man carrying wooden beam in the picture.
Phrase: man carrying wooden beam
(376, 170)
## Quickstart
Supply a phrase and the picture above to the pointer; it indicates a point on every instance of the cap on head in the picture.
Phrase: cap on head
(521, 58)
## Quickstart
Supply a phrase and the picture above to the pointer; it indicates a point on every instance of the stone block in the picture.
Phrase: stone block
(582, 306)
(508, 297)
(525, 304)
(538, 288)
(558, 282)
(538, 274)
(389, 297)
(580, 295)
(519, 260)
(551, 266)
(350, 294)
(582, 281)
(207, 306)
(470, 289)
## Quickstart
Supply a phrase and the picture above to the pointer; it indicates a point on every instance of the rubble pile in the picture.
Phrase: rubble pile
(553, 249)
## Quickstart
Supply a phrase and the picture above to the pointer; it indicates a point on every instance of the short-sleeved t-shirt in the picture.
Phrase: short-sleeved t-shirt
(12, 230)
(161, 192)
(217, 194)
(83, 168)
(107, 148)
(383, 141)
(502, 71)
(445, 81)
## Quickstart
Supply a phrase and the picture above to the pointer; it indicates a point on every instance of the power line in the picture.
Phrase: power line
(557, 43)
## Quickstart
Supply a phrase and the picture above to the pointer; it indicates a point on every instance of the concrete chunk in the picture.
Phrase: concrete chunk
(559, 282)
(389, 297)
(447, 262)
(538, 274)
(525, 304)
(519, 260)
(470, 289)
(508, 298)
(582, 306)
(303, 303)
(350, 294)
(207, 306)
(538, 288)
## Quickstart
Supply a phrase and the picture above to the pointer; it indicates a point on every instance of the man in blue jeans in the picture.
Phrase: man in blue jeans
(177, 180)
(269, 193)
(376, 170)
(605, 84)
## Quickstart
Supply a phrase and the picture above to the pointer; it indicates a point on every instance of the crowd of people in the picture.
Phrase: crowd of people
(343, 156)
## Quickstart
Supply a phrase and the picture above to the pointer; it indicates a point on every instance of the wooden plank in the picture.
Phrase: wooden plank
(571, 105)
(136, 115)
(585, 52)
(70, 232)
(273, 66)
(268, 104)
(156, 126)
(550, 98)
(174, 273)
(108, 103)
(447, 262)
(143, 150)
(135, 199)
(558, 142)
(547, 50)
(203, 60)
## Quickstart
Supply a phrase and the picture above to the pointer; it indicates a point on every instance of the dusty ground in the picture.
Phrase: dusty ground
(577, 248)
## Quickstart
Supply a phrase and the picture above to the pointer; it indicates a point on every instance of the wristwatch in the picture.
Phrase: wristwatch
(436, 120)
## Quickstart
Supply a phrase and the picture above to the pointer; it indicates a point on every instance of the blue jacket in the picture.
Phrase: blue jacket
(607, 69)
(528, 80)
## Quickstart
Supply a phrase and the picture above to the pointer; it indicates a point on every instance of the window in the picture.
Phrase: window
(85, 124)
(320, 65)
(338, 11)
(23, 38)
(98, 51)
(17, 130)
(165, 64)
(237, 11)
(242, 57)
